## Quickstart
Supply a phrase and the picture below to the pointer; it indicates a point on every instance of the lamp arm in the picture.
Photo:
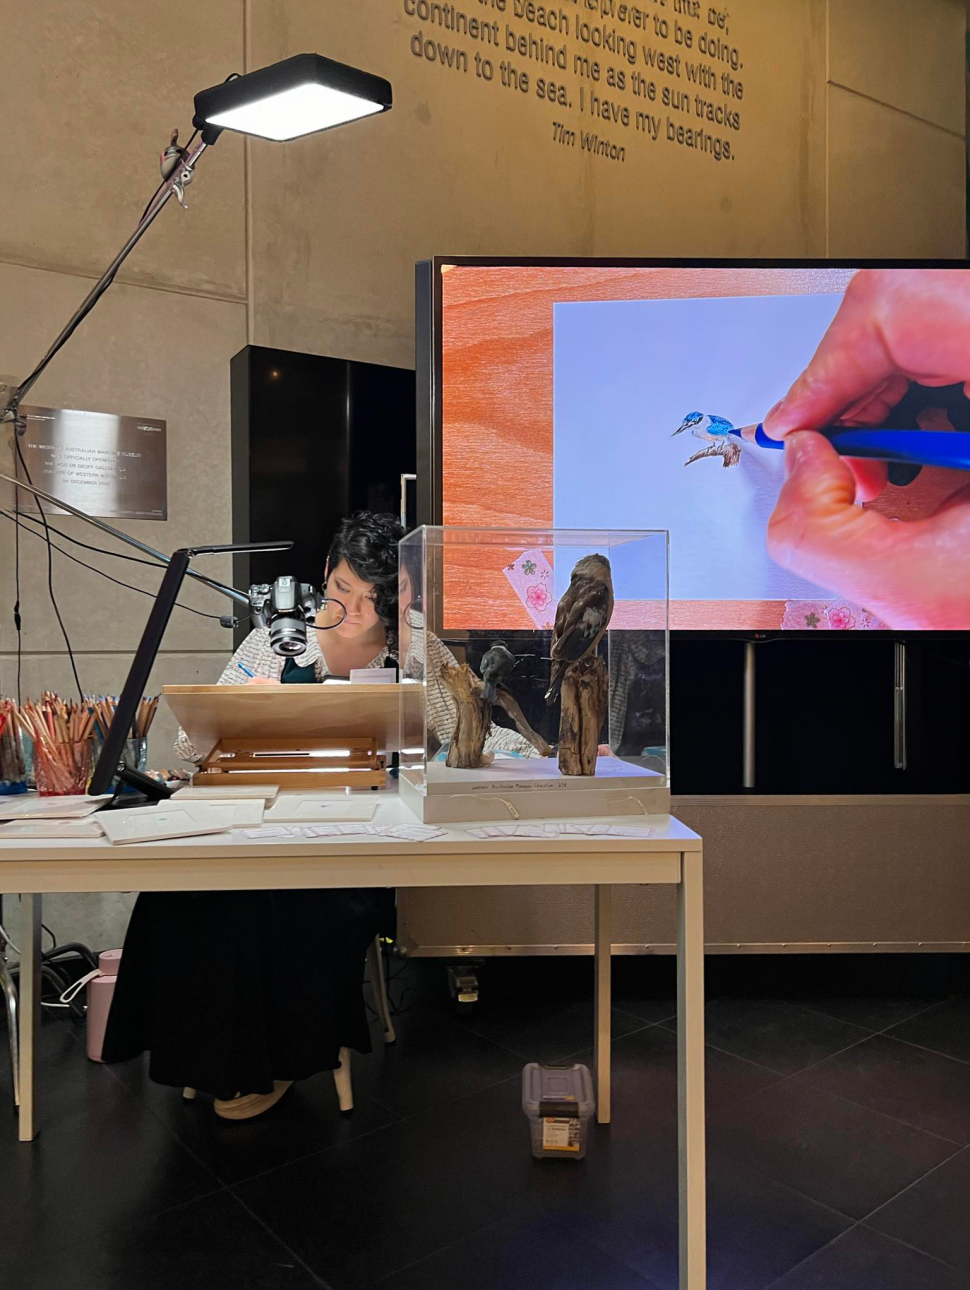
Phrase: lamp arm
(182, 174)
(231, 592)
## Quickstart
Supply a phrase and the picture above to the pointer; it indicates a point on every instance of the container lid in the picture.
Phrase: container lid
(555, 1090)
(108, 962)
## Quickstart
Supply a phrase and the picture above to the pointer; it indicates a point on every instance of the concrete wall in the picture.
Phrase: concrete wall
(851, 142)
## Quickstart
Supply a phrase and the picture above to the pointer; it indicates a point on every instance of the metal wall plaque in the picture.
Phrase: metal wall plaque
(110, 466)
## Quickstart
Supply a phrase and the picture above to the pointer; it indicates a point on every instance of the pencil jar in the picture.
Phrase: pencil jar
(136, 753)
(61, 769)
(13, 766)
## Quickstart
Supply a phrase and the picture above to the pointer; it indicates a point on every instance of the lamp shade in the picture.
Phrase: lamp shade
(301, 95)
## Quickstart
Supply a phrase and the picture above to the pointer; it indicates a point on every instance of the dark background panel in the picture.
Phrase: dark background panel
(313, 439)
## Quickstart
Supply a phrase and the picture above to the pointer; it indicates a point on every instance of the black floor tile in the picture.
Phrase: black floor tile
(945, 1029)
(872, 1012)
(932, 1215)
(843, 1155)
(434, 1060)
(102, 1160)
(524, 1253)
(546, 1030)
(645, 1081)
(646, 986)
(775, 1034)
(210, 1244)
(374, 1206)
(918, 1087)
(756, 1229)
(306, 1120)
(863, 1260)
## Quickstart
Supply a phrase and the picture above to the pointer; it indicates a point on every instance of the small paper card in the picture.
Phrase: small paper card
(531, 577)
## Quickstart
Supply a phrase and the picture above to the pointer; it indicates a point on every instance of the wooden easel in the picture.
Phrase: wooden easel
(316, 764)
(297, 737)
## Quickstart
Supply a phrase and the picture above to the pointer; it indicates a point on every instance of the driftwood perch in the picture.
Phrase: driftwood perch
(475, 718)
(585, 698)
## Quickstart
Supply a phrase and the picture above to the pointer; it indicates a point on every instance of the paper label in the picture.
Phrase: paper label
(560, 1134)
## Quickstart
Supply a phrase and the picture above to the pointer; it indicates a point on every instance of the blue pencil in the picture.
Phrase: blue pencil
(245, 669)
(950, 448)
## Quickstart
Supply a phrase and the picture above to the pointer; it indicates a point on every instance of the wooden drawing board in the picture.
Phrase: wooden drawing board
(208, 713)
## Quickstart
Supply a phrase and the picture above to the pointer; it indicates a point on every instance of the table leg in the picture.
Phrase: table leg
(690, 1074)
(604, 1002)
(30, 988)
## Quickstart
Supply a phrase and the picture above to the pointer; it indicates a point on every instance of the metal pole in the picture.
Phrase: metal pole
(175, 183)
(748, 745)
(405, 479)
(899, 706)
(30, 988)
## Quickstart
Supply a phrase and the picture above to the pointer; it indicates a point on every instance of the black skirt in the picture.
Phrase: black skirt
(231, 990)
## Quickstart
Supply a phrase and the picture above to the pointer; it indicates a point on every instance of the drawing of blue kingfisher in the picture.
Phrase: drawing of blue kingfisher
(719, 434)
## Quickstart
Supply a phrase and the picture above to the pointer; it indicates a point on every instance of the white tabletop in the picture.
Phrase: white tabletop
(232, 860)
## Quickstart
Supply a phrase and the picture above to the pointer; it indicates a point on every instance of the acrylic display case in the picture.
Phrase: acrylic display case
(462, 590)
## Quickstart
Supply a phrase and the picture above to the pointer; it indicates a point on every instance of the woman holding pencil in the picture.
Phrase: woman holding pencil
(242, 993)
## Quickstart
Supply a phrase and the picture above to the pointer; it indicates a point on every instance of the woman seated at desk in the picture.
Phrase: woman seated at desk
(242, 993)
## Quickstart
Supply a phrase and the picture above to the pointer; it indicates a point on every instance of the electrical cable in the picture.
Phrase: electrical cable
(17, 620)
(100, 550)
(5, 937)
(50, 934)
(93, 569)
(50, 556)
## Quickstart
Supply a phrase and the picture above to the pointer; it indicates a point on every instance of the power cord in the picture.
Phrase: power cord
(17, 621)
(93, 569)
(18, 422)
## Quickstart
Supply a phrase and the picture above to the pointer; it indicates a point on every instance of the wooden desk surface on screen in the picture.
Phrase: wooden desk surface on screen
(208, 713)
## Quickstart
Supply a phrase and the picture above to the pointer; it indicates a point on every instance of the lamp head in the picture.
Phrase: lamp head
(301, 95)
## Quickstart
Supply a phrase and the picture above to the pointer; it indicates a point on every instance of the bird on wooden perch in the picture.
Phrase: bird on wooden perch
(497, 665)
(719, 434)
(583, 615)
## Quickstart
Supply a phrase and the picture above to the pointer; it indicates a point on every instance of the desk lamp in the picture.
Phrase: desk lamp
(301, 95)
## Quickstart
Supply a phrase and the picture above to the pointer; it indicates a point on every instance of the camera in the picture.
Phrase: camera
(285, 607)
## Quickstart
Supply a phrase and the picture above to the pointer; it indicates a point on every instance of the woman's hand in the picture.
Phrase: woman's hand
(260, 680)
(914, 575)
(894, 326)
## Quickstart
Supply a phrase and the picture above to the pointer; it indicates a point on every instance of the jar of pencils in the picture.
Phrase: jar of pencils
(61, 769)
(13, 766)
(61, 734)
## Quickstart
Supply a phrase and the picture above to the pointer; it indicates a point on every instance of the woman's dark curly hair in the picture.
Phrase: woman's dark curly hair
(368, 542)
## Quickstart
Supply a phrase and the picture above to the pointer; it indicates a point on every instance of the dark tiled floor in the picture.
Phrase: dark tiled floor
(838, 1114)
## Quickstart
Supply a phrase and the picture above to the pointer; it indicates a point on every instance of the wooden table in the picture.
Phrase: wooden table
(233, 862)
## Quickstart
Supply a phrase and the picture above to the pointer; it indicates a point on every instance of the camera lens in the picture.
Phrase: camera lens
(287, 634)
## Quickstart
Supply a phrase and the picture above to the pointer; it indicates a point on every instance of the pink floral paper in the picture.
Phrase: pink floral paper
(829, 616)
(531, 577)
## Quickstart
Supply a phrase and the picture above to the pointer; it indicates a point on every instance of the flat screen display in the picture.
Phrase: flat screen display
(627, 396)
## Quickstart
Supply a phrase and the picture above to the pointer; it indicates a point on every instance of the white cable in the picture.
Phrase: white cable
(490, 797)
(3, 934)
(75, 989)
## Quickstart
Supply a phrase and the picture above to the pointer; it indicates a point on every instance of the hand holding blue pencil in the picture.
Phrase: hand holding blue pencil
(894, 327)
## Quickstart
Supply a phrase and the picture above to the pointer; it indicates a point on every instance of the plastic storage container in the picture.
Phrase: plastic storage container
(559, 1102)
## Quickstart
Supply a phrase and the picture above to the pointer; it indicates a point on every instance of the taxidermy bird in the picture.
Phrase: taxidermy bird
(717, 432)
(497, 664)
(582, 617)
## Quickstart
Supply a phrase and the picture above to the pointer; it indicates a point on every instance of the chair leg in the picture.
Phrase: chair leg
(10, 999)
(375, 966)
(341, 1078)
